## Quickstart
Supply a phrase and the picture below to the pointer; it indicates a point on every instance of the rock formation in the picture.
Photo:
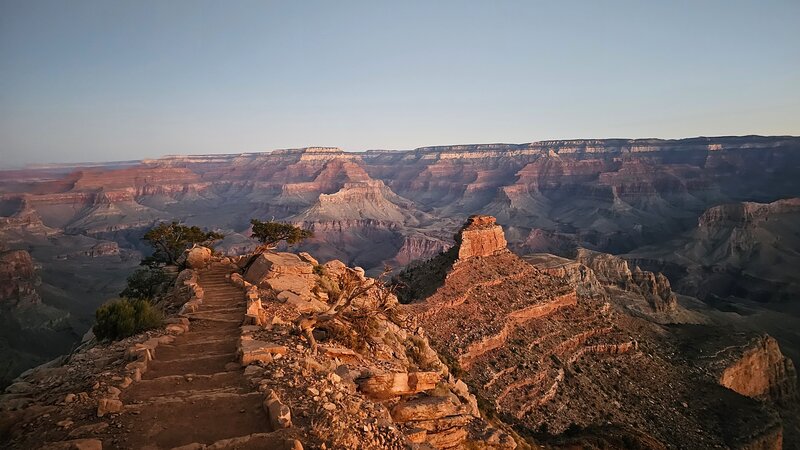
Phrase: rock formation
(740, 257)
(761, 371)
(545, 358)
(481, 236)
(18, 278)
(610, 269)
(678, 209)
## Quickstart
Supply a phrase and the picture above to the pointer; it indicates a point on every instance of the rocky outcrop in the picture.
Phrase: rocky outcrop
(609, 269)
(577, 274)
(656, 288)
(480, 236)
(543, 353)
(18, 278)
(762, 372)
(742, 214)
(395, 384)
(419, 247)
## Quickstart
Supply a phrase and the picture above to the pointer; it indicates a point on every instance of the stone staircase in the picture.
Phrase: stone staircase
(194, 391)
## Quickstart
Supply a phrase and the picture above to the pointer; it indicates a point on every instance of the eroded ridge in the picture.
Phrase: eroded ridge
(547, 352)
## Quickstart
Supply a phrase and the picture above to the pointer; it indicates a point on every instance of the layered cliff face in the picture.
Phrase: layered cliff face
(378, 207)
(607, 195)
(50, 284)
(754, 241)
(546, 358)
(612, 270)
(761, 371)
(30, 331)
(18, 278)
(419, 247)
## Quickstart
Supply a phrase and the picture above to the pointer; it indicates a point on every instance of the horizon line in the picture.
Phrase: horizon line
(66, 165)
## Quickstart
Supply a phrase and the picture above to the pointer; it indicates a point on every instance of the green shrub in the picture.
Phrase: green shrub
(144, 283)
(125, 317)
(169, 240)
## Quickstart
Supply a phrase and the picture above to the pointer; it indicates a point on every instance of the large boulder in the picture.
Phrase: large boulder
(282, 272)
(198, 257)
(271, 265)
(427, 408)
(394, 384)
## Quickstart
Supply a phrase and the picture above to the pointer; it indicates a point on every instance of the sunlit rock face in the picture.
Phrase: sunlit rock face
(481, 236)
(761, 371)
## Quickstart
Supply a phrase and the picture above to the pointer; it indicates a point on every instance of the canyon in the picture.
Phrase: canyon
(503, 353)
(624, 255)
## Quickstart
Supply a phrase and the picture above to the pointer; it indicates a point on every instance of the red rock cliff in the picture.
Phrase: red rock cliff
(762, 372)
(481, 236)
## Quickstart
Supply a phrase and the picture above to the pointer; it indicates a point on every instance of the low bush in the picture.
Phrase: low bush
(125, 317)
(144, 283)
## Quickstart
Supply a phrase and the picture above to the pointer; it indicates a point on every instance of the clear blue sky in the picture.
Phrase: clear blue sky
(111, 80)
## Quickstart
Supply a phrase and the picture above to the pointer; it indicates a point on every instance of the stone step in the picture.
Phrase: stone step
(212, 325)
(193, 397)
(203, 419)
(201, 357)
(193, 340)
(183, 350)
(206, 306)
(190, 394)
(146, 388)
(198, 334)
(181, 386)
(221, 309)
(213, 318)
(255, 441)
(201, 365)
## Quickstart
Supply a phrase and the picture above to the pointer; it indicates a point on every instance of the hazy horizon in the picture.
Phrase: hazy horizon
(134, 160)
(97, 81)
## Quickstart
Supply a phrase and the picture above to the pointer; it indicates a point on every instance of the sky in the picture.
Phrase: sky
(105, 80)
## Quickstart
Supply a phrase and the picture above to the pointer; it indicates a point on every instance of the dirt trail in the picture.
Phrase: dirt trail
(194, 390)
